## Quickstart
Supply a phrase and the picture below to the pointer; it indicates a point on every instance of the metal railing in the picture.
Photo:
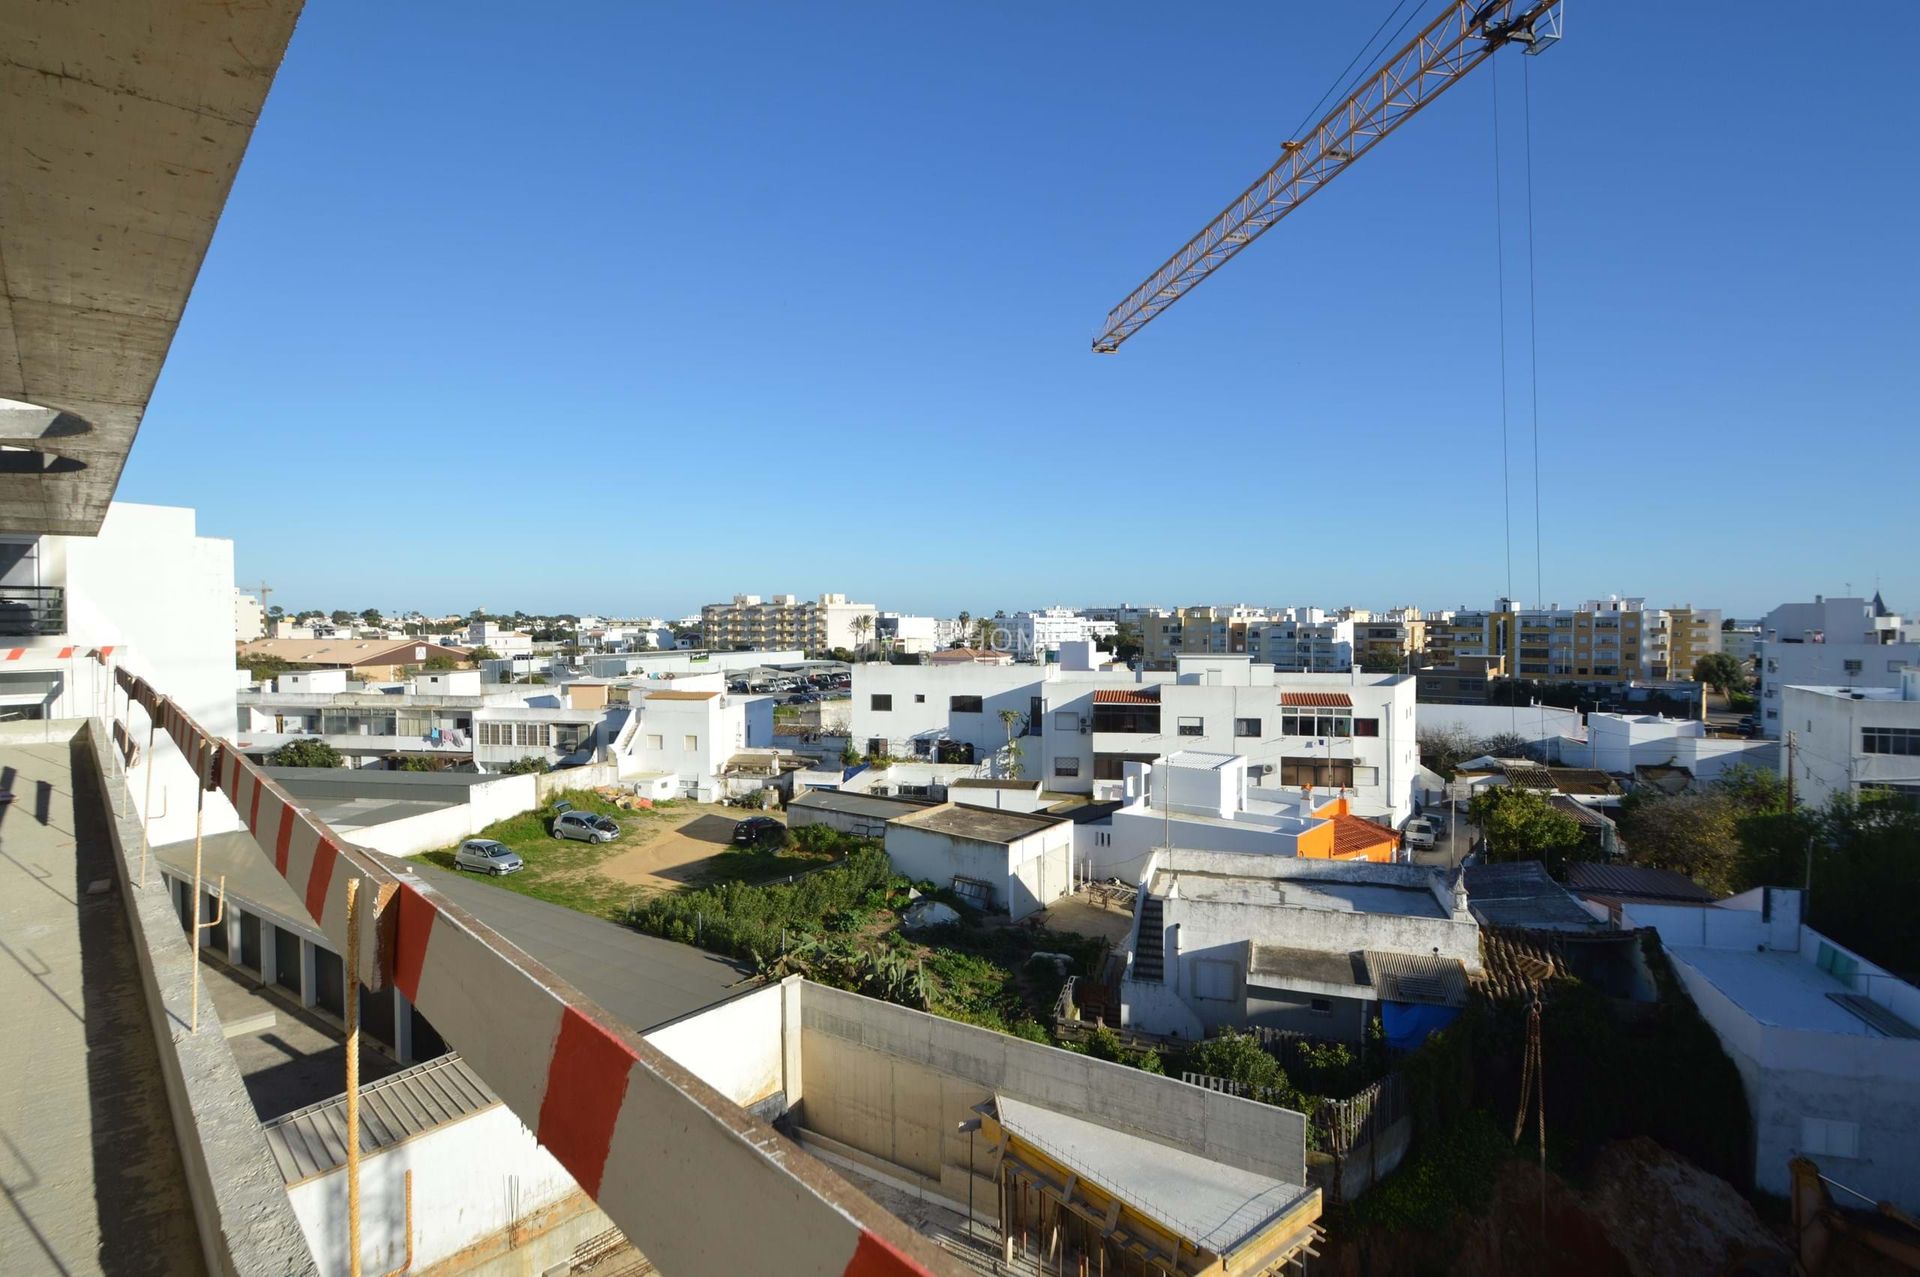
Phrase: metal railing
(32, 611)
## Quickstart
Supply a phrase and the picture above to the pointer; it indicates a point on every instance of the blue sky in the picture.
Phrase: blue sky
(629, 307)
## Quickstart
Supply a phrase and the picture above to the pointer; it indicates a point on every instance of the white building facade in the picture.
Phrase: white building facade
(1853, 740)
(1844, 642)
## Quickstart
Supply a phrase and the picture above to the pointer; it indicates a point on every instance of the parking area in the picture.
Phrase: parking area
(667, 856)
(1454, 842)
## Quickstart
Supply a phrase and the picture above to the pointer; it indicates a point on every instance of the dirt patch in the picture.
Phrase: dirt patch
(674, 855)
(1084, 918)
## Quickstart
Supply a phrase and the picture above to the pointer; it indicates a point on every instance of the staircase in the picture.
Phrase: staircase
(1149, 952)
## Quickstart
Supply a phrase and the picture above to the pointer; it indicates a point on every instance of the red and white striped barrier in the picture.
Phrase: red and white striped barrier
(700, 1185)
(99, 654)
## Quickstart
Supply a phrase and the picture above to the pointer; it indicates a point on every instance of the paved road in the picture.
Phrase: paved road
(643, 979)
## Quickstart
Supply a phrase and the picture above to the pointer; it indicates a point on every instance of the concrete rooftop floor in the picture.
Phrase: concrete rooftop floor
(89, 1170)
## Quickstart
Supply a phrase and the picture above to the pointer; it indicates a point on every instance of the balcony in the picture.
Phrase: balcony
(32, 611)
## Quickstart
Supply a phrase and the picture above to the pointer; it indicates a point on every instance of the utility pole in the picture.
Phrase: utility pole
(1789, 769)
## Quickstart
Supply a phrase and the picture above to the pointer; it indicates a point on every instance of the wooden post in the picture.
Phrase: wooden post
(146, 808)
(353, 1077)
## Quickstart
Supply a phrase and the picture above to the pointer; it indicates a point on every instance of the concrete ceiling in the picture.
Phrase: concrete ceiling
(122, 124)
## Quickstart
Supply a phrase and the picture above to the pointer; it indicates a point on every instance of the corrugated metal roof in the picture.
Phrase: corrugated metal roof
(1125, 696)
(1636, 881)
(1417, 977)
(1317, 700)
(313, 1140)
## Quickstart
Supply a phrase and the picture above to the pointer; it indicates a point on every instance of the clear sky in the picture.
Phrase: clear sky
(628, 307)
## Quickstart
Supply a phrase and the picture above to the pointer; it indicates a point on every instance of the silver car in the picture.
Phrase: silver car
(484, 855)
(585, 826)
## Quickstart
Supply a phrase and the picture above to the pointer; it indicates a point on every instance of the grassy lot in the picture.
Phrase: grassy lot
(827, 906)
(565, 872)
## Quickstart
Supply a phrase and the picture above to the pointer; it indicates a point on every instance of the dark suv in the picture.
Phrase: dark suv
(759, 831)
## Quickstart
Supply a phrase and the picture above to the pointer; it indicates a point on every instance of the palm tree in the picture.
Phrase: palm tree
(1011, 718)
(862, 626)
(966, 620)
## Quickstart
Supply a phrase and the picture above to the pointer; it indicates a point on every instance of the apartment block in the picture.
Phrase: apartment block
(815, 626)
(1854, 740)
(1844, 642)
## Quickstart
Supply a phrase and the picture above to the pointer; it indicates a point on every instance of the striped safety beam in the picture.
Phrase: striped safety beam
(699, 1184)
(99, 654)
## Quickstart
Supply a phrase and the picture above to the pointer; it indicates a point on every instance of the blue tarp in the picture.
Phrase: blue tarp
(1407, 1024)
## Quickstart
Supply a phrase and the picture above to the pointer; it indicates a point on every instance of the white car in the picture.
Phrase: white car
(1421, 833)
(483, 855)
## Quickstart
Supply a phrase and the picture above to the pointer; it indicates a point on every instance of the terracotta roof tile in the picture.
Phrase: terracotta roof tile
(1125, 696)
(1317, 700)
(1352, 834)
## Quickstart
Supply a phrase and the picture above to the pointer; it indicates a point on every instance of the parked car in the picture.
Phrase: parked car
(585, 826)
(484, 855)
(1421, 833)
(759, 831)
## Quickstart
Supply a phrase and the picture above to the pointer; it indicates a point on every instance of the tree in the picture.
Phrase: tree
(1519, 824)
(276, 611)
(437, 663)
(983, 634)
(307, 753)
(1443, 749)
(1124, 642)
(1505, 745)
(342, 617)
(1692, 834)
(1720, 672)
(371, 616)
(1382, 662)
(482, 653)
(1010, 719)
(862, 627)
(522, 766)
(1238, 1057)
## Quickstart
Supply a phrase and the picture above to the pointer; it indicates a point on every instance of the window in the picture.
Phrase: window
(1366, 776)
(656, 741)
(1824, 1137)
(1216, 981)
(569, 737)
(965, 705)
(1101, 838)
(922, 747)
(1246, 727)
(1192, 726)
(1321, 1006)
(690, 743)
(1066, 767)
(880, 703)
(919, 698)
(1066, 721)
(1311, 723)
(1903, 741)
(1133, 720)
(1366, 727)
(1853, 667)
(1321, 773)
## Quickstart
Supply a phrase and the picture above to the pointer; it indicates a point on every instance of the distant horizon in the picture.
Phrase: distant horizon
(676, 614)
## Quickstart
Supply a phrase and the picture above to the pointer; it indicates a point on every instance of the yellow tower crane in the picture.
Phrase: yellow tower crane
(1466, 34)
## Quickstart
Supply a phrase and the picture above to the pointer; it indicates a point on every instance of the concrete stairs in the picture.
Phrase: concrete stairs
(1149, 954)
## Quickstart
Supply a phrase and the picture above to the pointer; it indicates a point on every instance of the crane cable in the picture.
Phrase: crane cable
(1341, 81)
(1506, 456)
(1533, 352)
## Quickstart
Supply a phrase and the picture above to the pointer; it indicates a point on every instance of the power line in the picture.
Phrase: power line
(1314, 112)
(1533, 340)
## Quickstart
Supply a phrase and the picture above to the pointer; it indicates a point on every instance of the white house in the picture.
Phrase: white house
(492, 634)
(1075, 726)
(1227, 940)
(1036, 633)
(1849, 642)
(1203, 801)
(249, 617)
(692, 735)
(1006, 861)
(1853, 739)
(147, 593)
(1826, 1042)
(1618, 743)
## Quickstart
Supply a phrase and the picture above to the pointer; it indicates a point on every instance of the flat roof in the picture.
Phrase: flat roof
(855, 804)
(1297, 893)
(1321, 966)
(1220, 1207)
(1523, 895)
(981, 824)
(1778, 989)
(681, 696)
(1206, 760)
(982, 782)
